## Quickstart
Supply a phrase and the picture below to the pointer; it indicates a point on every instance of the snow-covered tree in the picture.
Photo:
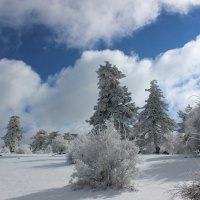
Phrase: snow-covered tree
(154, 125)
(69, 136)
(181, 139)
(114, 100)
(39, 141)
(193, 129)
(14, 134)
(104, 160)
(183, 115)
(59, 144)
(181, 144)
(52, 136)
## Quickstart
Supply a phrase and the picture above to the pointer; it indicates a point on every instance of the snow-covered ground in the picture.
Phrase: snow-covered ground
(46, 177)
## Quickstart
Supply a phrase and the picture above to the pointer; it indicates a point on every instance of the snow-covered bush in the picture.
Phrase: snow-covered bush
(103, 160)
(189, 191)
(74, 149)
(5, 150)
(23, 149)
(59, 145)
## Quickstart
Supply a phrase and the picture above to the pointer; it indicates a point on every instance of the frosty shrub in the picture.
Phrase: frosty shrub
(103, 160)
(75, 148)
(59, 145)
(189, 191)
(5, 150)
(23, 149)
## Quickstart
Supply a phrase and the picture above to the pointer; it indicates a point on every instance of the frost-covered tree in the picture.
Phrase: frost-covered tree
(14, 134)
(181, 143)
(52, 136)
(183, 115)
(181, 139)
(154, 125)
(104, 160)
(114, 100)
(59, 144)
(193, 129)
(39, 141)
(69, 136)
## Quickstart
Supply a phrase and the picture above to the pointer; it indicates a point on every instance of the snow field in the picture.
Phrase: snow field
(46, 177)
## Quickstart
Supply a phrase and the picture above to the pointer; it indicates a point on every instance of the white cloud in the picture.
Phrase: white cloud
(182, 6)
(85, 23)
(67, 99)
(18, 84)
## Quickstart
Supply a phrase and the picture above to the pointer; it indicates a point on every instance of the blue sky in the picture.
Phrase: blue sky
(34, 44)
(50, 51)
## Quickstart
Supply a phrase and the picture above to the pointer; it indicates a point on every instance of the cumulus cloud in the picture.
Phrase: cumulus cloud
(85, 23)
(18, 84)
(66, 100)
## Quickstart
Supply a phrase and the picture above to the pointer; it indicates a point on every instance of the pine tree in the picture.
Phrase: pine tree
(114, 100)
(183, 135)
(183, 115)
(39, 141)
(193, 129)
(52, 136)
(154, 125)
(14, 133)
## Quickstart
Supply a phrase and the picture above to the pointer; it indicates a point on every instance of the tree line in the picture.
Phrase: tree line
(150, 126)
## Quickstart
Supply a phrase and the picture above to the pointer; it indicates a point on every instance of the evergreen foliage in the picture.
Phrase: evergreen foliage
(52, 136)
(14, 134)
(114, 100)
(193, 129)
(183, 135)
(183, 115)
(154, 126)
(39, 141)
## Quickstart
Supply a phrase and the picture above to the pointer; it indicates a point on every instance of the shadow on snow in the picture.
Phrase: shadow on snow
(171, 168)
(66, 193)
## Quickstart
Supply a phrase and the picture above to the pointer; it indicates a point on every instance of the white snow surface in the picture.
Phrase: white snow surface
(46, 177)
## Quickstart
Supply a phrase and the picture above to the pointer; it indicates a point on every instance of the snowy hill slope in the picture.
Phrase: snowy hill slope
(46, 177)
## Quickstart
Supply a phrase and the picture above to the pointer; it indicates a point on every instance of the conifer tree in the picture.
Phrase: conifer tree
(114, 100)
(183, 115)
(14, 133)
(154, 125)
(52, 136)
(39, 141)
(193, 129)
(183, 131)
